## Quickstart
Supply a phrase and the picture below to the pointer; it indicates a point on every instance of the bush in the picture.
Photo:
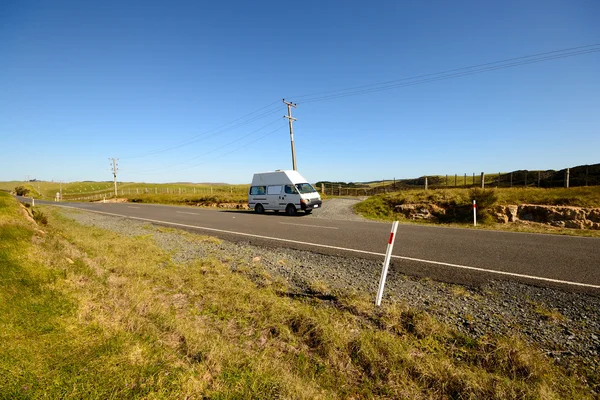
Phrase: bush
(39, 217)
(21, 191)
(485, 198)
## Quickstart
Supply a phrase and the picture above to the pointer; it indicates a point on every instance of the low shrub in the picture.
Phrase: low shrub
(21, 191)
(39, 217)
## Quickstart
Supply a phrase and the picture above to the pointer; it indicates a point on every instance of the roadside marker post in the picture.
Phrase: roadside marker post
(386, 263)
(32, 202)
(474, 212)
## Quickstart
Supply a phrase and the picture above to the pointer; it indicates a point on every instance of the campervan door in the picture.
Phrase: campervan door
(274, 198)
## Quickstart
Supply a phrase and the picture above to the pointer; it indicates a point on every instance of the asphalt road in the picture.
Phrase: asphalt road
(456, 255)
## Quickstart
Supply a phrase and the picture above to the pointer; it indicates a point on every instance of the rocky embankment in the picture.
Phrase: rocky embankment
(560, 216)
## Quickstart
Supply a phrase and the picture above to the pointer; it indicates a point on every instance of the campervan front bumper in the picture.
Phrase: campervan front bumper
(311, 205)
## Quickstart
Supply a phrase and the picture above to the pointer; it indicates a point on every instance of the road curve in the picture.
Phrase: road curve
(455, 255)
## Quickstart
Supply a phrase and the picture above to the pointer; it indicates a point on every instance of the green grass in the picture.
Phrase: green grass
(458, 203)
(86, 313)
(575, 196)
(192, 199)
(167, 193)
(578, 196)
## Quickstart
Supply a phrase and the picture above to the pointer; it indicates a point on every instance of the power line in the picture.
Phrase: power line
(234, 150)
(213, 150)
(218, 130)
(448, 74)
(224, 154)
(356, 93)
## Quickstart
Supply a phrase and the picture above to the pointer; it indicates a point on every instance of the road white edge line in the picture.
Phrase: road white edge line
(491, 271)
(184, 212)
(310, 226)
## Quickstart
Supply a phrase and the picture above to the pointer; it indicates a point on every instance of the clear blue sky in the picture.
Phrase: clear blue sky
(158, 85)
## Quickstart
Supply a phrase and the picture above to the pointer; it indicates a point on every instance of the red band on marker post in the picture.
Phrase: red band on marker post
(391, 238)
(474, 205)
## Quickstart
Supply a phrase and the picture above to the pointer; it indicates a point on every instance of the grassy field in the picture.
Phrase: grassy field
(458, 201)
(578, 196)
(86, 313)
(166, 193)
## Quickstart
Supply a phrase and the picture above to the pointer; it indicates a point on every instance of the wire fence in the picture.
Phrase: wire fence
(570, 177)
(204, 190)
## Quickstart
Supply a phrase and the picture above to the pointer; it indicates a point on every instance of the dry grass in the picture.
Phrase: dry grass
(87, 313)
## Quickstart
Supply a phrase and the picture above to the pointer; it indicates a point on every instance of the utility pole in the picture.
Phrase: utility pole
(290, 119)
(114, 169)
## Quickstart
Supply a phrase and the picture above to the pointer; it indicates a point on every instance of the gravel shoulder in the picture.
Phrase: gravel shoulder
(339, 208)
(564, 325)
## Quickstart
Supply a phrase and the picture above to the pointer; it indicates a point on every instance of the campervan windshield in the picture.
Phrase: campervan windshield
(305, 188)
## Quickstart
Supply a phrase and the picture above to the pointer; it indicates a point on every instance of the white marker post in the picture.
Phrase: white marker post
(32, 202)
(386, 263)
(474, 212)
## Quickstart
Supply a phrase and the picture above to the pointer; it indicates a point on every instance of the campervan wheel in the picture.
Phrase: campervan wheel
(290, 210)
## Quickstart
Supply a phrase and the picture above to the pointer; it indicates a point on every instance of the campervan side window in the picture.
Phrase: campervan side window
(274, 189)
(290, 189)
(257, 190)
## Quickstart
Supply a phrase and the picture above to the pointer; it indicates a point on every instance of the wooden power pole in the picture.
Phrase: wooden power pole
(114, 170)
(290, 119)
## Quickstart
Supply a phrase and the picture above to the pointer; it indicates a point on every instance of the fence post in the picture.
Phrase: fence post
(454, 180)
(539, 178)
(425, 183)
(482, 180)
(465, 182)
(473, 183)
(511, 179)
(567, 177)
(526, 177)
(323, 188)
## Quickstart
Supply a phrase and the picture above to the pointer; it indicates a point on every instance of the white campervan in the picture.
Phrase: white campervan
(282, 191)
